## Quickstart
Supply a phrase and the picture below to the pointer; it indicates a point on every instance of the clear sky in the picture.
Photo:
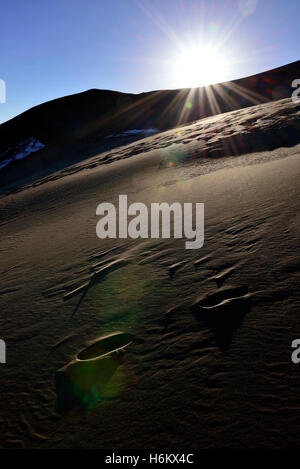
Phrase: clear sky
(51, 48)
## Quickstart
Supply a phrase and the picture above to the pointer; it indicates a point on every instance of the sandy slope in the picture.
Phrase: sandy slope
(73, 128)
(187, 379)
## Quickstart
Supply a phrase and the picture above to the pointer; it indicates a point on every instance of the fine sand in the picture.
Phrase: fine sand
(208, 363)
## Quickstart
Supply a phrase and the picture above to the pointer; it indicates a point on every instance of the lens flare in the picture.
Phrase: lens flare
(213, 27)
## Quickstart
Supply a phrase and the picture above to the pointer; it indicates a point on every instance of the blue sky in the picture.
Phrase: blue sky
(59, 47)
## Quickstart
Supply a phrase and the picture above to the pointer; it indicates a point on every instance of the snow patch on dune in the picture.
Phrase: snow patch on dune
(20, 151)
(130, 132)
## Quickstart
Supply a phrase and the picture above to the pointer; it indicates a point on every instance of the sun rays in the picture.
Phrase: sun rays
(199, 61)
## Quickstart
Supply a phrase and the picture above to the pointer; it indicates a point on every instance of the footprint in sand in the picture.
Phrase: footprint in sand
(98, 275)
(90, 376)
(105, 345)
(223, 311)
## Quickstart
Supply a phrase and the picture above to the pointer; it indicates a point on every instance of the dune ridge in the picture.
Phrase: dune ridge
(74, 128)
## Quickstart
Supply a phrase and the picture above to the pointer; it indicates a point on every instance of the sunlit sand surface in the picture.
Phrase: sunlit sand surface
(204, 355)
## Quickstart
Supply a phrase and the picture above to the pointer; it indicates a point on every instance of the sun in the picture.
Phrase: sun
(199, 66)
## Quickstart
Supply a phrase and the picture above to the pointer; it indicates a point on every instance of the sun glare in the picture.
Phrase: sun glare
(199, 66)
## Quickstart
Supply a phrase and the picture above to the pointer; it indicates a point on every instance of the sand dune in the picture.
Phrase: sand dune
(209, 364)
(74, 128)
